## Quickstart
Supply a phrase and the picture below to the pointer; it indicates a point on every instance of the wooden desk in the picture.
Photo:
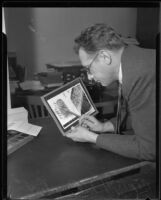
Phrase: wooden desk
(51, 164)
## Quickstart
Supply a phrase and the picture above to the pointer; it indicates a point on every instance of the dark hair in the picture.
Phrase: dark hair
(97, 37)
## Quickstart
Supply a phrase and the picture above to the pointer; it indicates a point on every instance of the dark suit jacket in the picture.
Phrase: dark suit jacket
(138, 70)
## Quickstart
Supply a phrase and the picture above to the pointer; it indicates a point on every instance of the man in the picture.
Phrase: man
(109, 57)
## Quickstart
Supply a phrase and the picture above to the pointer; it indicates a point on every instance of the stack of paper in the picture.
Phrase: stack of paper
(19, 131)
(18, 121)
(17, 114)
(25, 127)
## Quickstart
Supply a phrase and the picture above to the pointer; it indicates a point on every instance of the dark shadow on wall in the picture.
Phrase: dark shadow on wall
(21, 38)
(147, 26)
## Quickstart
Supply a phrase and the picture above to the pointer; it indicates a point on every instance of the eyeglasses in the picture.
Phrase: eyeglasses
(88, 67)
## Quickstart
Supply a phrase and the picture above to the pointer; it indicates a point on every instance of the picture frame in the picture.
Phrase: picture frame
(68, 103)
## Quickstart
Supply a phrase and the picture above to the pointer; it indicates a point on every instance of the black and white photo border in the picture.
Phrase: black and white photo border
(61, 108)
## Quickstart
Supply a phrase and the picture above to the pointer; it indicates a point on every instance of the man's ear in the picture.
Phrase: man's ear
(106, 56)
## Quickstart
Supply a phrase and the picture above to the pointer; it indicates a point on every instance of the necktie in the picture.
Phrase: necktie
(118, 122)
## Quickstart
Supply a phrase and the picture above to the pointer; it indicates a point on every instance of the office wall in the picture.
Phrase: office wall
(44, 35)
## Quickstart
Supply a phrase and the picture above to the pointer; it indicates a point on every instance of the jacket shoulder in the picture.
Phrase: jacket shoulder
(137, 64)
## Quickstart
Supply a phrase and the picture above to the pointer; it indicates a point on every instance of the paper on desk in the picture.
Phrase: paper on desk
(31, 85)
(25, 127)
(17, 114)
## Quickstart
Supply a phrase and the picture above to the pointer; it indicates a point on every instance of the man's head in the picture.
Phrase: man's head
(100, 48)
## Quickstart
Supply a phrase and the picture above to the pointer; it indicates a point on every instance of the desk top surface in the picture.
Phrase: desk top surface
(52, 162)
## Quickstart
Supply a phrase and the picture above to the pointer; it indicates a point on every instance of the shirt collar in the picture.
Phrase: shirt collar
(120, 74)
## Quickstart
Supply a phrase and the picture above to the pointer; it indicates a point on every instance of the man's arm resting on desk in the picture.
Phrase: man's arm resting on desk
(133, 146)
(83, 134)
(126, 145)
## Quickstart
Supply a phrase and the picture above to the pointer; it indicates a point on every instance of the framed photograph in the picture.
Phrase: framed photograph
(68, 103)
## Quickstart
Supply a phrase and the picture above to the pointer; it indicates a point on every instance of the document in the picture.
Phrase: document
(18, 121)
(25, 127)
(17, 114)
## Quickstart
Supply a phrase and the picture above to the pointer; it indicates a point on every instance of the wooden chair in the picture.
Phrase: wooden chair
(36, 108)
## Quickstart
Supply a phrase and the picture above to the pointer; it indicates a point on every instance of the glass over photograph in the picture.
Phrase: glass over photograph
(69, 105)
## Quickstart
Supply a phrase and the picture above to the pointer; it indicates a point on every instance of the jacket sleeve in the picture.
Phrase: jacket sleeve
(141, 105)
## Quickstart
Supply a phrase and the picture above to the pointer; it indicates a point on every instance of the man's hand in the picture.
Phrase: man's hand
(91, 123)
(81, 134)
